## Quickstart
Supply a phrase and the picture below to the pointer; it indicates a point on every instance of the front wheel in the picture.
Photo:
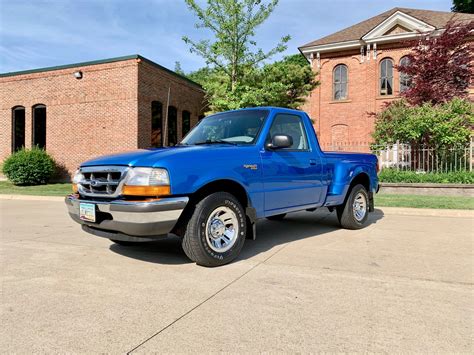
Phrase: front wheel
(354, 213)
(216, 231)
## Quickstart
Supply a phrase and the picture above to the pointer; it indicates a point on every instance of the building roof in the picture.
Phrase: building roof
(437, 19)
(101, 61)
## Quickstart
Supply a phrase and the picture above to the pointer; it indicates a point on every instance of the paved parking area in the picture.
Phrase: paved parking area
(405, 283)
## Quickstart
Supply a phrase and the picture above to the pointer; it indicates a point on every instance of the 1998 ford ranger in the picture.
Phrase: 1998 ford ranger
(232, 169)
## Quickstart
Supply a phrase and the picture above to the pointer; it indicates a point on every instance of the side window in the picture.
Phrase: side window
(386, 77)
(186, 122)
(405, 79)
(156, 124)
(172, 126)
(339, 78)
(293, 126)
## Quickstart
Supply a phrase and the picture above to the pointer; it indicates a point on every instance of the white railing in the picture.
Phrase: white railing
(425, 158)
(416, 158)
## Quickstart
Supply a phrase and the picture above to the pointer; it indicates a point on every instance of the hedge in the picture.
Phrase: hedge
(400, 176)
(29, 167)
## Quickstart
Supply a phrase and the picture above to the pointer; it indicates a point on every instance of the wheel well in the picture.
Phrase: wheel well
(232, 187)
(362, 179)
(223, 185)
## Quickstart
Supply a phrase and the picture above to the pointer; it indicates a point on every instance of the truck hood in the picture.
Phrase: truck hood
(154, 156)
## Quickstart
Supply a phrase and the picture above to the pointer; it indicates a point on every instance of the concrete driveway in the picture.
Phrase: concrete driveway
(403, 284)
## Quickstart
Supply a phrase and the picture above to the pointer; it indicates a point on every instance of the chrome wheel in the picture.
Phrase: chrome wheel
(359, 207)
(222, 228)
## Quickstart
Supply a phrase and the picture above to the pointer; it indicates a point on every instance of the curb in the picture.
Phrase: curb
(427, 189)
(416, 184)
(405, 211)
(31, 198)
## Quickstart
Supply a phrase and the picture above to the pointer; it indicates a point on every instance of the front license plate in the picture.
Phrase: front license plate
(87, 212)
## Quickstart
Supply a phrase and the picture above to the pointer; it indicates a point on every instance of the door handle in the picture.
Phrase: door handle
(312, 162)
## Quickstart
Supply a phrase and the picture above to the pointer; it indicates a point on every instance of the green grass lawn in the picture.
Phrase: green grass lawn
(7, 187)
(381, 200)
(422, 201)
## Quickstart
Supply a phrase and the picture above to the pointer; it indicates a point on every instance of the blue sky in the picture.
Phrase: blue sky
(40, 33)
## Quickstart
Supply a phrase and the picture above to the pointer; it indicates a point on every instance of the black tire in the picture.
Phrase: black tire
(277, 217)
(345, 212)
(125, 243)
(195, 243)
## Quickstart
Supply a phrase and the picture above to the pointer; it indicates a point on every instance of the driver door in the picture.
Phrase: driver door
(292, 176)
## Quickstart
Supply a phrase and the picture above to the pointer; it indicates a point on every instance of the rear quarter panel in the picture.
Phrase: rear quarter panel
(342, 168)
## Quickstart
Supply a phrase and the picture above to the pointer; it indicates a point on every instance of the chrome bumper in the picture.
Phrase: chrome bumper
(126, 220)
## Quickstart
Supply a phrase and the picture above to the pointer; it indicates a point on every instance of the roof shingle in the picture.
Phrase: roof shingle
(437, 19)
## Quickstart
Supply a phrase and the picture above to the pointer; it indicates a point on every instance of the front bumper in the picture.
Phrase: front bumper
(127, 220)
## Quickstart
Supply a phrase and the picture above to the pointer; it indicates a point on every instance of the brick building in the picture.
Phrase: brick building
(84, 110)
(356, 68)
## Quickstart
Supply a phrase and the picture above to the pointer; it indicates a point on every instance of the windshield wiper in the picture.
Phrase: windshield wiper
(217, 141)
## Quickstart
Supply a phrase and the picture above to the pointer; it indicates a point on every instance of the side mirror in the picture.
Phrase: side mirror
(280, 141)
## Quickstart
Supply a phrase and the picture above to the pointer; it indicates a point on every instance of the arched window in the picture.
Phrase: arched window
(156, 123)
(405, 79)
(339, 79)
(39, 126)
(172, 126)
(386, 77)
(18, 128)
(186, 122)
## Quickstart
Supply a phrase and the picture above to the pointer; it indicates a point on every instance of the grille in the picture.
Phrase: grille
(102, 181)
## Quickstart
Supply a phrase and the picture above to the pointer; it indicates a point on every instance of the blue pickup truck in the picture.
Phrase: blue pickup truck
(232, 169)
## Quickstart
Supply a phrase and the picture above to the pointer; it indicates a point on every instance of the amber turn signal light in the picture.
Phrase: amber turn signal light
(129, 190)
(74, 188)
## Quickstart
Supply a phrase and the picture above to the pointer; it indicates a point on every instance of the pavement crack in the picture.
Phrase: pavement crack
(206, 300)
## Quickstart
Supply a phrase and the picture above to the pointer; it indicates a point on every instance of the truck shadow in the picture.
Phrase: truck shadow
(295, 226)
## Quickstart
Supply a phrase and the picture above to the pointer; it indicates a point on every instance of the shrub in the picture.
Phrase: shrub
(29, 167)
(454, 177)
(445, 124)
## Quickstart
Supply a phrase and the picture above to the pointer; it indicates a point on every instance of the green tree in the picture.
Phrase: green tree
(233, 52)
(466, 6)
(446, 124)
(178, 69)
(284, 83)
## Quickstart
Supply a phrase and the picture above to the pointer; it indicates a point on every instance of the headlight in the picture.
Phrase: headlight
(78, 177)
(147, 177)
(147, 182)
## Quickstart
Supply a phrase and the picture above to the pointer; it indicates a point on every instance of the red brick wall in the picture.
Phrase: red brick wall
(348, 122)
(107, 111)
(153, 85)
(86, 117)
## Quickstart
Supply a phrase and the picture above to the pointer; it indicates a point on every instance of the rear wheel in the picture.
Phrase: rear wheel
(354, 213)
(277, 217)
(216, 231)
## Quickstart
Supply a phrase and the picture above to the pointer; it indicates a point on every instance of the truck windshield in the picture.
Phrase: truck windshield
(238, 127)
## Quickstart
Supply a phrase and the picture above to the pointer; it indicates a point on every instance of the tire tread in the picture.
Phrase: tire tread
(191, 244)
(344, 212)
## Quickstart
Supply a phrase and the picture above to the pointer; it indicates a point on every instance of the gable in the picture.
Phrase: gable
(397, 29)
(398, 25)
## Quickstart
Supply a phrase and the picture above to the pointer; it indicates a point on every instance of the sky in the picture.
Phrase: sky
(42, 33)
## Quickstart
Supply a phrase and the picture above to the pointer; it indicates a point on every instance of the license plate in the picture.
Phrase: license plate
(87, 212)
